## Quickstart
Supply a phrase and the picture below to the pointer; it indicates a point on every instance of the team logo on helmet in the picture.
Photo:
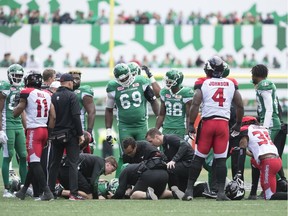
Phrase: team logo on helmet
(134, 68)
(123, 75)
(173, 78)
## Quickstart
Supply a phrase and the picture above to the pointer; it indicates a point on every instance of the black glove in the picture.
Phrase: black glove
(147, 71)
(191, 128)
(191, 131)
(16, 99)
(235, 129)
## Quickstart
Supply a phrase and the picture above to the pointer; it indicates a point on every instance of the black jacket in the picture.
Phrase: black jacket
(177, 149)
(67, 111)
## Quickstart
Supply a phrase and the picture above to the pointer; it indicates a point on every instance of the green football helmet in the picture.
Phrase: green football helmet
(226, 71)
(173, 78)
(134, 68)
(15, 74)
(123, 75)
(113, 185)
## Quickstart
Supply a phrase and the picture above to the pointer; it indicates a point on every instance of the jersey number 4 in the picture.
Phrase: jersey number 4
(218, 97)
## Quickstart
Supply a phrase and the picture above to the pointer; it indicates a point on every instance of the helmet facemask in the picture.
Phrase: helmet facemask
(125, 79)
(15, 74)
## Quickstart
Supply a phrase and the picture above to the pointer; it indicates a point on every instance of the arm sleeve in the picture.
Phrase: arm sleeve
(149, 94)
(268, 103)
(181, 151)
(110, 101)
(97, 171)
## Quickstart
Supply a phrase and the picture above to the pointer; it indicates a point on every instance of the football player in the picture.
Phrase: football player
(130, 95)
(175, 105)
(268, 113)
(136, 70)
(85, 97)
(265, 155)
(11, 129)
(216, 95)
(38, 107)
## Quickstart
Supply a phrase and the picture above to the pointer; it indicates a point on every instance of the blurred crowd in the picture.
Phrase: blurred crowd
(153, 61)
(18, 17)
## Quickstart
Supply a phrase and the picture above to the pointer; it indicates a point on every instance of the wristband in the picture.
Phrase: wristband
(152, 79)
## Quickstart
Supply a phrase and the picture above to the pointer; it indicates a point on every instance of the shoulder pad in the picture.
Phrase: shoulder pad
(199, 82)
(112, 85)
(265, 85)
(4, 85)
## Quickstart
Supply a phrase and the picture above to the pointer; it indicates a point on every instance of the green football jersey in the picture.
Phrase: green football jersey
(81, 92)
(267, 85)
(130, 102)
(175, 104)
(8, 120)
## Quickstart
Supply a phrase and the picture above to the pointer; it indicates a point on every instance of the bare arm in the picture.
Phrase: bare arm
(108, 117)
(195, 105)
(188, 105)
(156, 89)
(155, 107)
(20, 107)
(23, 118)
(161, 116)
(90, 108)
(237, 99)
(52, 117)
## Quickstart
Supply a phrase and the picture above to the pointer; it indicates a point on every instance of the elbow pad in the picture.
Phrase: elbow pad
(149, 94)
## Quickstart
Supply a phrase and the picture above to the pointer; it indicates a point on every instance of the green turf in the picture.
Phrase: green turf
(197, 207)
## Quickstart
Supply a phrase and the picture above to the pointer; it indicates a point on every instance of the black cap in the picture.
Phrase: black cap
(66, 77)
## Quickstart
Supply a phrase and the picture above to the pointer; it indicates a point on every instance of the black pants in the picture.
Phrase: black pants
(178, 176)
(83, 182)
(72, 151)
(156, 178)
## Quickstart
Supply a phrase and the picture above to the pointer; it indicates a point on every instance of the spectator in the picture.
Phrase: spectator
(6, 62)
(189, 63)
(121, 60)
(269, 19)
(167, 62)
(66, 63)
(48, 62)
(252, 61)
(199, 62)
(134, 59)
(66, 19)
(91, 19)
(145, 61)
(56, 18)
(32, 63)
(103, 18)
(23, 60)
(154, 62)
(245, 62)
(265, 61)
(33, 17)
(276, 63)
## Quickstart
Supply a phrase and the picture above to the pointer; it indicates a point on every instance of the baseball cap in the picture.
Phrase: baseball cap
(66, 77)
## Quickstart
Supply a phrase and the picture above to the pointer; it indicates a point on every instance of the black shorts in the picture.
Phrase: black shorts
(83, 183)
(157, 179)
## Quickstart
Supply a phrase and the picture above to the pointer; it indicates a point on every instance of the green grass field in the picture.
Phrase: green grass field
(197, 207)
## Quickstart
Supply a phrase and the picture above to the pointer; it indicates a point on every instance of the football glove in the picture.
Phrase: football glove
(235, 129)
(147, 71)
(191, 131)
(3, 137)
(109, 136)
